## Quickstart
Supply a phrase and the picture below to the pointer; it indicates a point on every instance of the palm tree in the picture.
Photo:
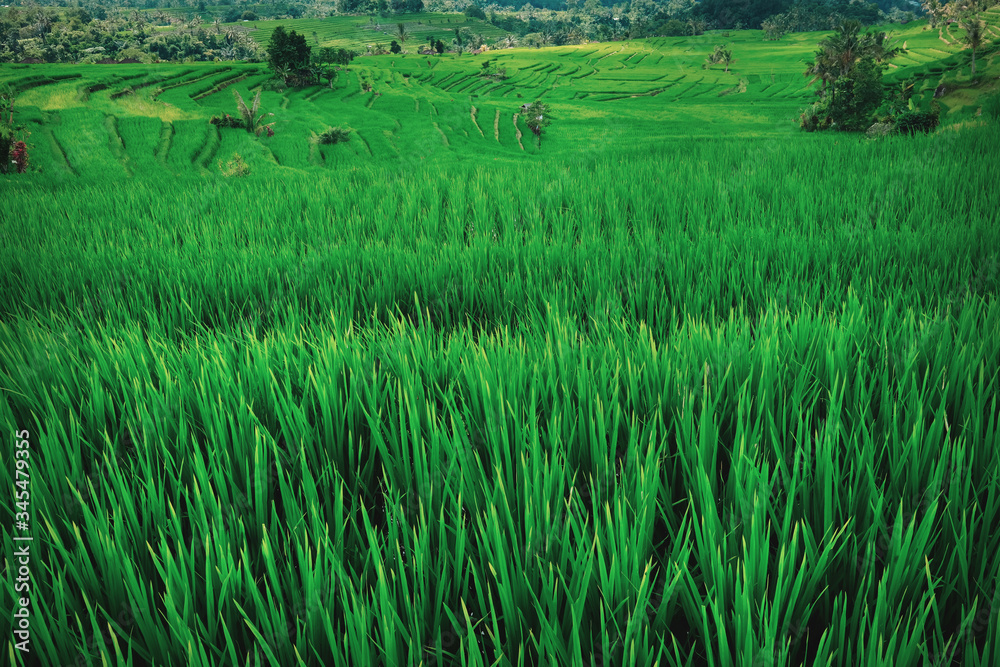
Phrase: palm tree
(975, 30)
(726, 56)
(846, 45)
(252, 121)
(879, 46)
(218, 25)
(935, 10)
(401, 33)
(283, 72)
(822, 68)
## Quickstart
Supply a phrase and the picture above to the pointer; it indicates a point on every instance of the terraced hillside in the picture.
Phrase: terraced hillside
(424, 108)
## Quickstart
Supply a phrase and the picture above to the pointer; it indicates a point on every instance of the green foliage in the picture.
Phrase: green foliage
(720, 55)
(251, 121)
(13, 148)
(975, 34)
(912, 122)
(228, 121)
(335, 56)
(537, 117)
(849, 64)
(236, 167)
(333, 135)
(394, 47)
(474, 11)
(289, 56)
(856, 96)
(814, 118)
(6, 148)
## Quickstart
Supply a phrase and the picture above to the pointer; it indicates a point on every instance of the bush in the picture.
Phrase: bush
(814, 118)
(14, 152)
(274, 85)
(235, 167)
(912, 122)
(856, 97)
(334, 135)
(228, 121)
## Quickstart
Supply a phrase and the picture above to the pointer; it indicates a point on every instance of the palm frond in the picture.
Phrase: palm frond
(256, 104)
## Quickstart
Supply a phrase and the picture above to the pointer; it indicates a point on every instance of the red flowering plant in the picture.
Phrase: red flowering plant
(19, 156)
(13, 150)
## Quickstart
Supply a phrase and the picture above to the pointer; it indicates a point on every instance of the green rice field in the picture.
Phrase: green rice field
(681, 386)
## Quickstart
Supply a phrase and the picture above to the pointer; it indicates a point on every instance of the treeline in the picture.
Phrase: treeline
(591, 20)
(40, 34)
(796, 15)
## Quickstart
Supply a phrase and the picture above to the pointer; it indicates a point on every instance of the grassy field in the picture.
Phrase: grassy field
(682, 386)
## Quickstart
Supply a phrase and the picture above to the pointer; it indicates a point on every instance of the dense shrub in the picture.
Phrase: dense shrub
(334, 135)
(228, 121)
(475, 12)
(856, 97)
(814, 118)
(912, 122)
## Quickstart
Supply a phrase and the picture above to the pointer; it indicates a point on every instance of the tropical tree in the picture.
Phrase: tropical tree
(879, 47)
(726, 57)
(401, 33)
(288, 54)
(822, 68)
(720, 55)
(536, 117)
(935, 11)
(845, 45)
(849, 64)
(975, 30)
(251, 120)
(773, 29)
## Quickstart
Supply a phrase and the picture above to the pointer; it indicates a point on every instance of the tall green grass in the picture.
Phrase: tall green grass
(703, 403)
(686, 387)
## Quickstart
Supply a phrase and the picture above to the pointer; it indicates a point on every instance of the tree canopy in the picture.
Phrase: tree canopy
(287, 50)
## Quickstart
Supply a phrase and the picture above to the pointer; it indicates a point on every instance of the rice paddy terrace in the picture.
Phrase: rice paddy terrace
(684, 386)
(420, 108)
